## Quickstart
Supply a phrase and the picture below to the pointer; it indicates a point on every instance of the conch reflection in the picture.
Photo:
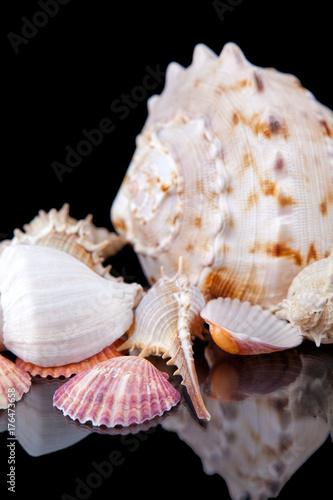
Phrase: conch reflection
(269, 414)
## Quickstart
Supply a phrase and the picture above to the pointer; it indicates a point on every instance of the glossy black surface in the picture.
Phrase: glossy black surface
(72, 73)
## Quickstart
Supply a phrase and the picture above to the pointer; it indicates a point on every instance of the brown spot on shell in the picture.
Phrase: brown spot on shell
(268, 187)
(323, 207)
(258, 81)
(285, 200)
(312, 254)
(190, 247)
(235, 118)
(252, 200)
(282, 250)
(274, 125)
(120, 225)
(248, 159)
(198, 222)
(279, 162)
(326, 129)
(223, 283)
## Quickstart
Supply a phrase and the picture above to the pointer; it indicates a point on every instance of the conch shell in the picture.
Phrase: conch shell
(309, 304)
(232, 171)
(58, 311)
(164, 323)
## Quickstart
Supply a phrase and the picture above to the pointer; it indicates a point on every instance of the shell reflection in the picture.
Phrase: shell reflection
(267, 419)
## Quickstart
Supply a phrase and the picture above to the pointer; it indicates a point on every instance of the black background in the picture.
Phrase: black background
(64, 80)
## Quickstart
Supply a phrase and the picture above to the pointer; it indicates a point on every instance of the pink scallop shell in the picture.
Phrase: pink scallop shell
(121, 391)
(242, 328)
(12, 377)
(71, 368)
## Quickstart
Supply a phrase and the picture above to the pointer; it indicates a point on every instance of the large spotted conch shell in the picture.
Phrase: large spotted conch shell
(309, 304)
(233, 172)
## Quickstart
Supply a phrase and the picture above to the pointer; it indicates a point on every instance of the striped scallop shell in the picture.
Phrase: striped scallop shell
(14, 382)
(232, 171)
(121, 391)
(241, 328)
(164, 323)
(309, 303)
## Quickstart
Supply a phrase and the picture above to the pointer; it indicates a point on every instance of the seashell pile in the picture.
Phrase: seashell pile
(228, 203)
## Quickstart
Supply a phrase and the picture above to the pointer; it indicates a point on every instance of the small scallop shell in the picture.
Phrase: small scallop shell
(164, 323)
(241, 328)
(72, 368)
(80, 238)
(309, 303)
(58, 311)
(12, 377)
(121, 391)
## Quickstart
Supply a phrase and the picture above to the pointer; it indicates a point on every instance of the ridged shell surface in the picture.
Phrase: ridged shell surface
(80, 238)
(121, 391)
(14, 382)
(242, 328)
(58, 311)
(309, 304)
(232, 171)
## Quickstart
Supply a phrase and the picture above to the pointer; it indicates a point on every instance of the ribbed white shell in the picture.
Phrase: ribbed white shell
(58, 311)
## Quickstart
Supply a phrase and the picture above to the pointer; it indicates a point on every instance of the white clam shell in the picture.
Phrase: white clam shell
(242, 328)
(58, 311)
(232, 171)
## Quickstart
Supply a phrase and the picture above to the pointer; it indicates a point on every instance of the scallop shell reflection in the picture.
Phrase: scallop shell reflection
(120, 391)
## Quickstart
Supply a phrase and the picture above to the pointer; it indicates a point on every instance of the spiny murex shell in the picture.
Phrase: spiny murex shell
(232, 171)
(309, 304)
(58, 311)
(164, 323)
(80, 238)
